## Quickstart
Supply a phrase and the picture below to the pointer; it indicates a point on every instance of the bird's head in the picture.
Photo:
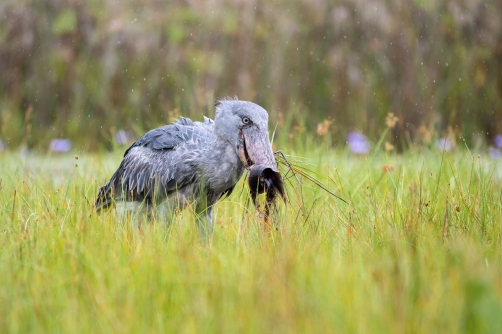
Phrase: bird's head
(245, 125)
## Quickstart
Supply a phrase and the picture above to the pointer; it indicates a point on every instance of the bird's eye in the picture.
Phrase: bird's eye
(245, 120)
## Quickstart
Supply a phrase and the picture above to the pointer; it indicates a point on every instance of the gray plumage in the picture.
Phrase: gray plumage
(189, 162)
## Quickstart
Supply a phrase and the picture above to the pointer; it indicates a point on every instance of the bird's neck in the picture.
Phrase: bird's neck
(222, 165)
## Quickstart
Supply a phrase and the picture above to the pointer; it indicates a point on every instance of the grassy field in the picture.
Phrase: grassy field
(417, 249)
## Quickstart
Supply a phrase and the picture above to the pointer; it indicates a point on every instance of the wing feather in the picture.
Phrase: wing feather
(161, 162)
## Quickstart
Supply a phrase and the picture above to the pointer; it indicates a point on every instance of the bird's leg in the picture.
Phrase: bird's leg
(205, 222)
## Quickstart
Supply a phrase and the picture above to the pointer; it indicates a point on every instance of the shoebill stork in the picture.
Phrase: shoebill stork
(195, 163)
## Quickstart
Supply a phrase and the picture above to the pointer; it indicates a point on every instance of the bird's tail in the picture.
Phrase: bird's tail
(105, 197)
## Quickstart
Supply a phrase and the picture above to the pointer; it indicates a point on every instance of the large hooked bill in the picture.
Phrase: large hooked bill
(256, 154)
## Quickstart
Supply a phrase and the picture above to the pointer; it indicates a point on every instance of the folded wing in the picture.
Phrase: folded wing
(160, 163)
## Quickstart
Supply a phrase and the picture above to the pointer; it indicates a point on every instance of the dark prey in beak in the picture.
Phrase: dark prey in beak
(262, 178)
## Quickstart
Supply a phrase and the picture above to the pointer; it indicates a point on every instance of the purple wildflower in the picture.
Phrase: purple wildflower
(498, 141)
(495, 153)
(24, 152)
(123, 137)
(444, 144)
(358, 143)
(59, 145)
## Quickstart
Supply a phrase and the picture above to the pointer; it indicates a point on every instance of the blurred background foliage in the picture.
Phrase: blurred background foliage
(84, 69)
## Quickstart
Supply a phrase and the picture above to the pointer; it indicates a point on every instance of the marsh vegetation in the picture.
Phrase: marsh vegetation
(416, 249)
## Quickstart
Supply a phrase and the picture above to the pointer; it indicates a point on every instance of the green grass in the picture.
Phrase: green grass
(417, 249)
